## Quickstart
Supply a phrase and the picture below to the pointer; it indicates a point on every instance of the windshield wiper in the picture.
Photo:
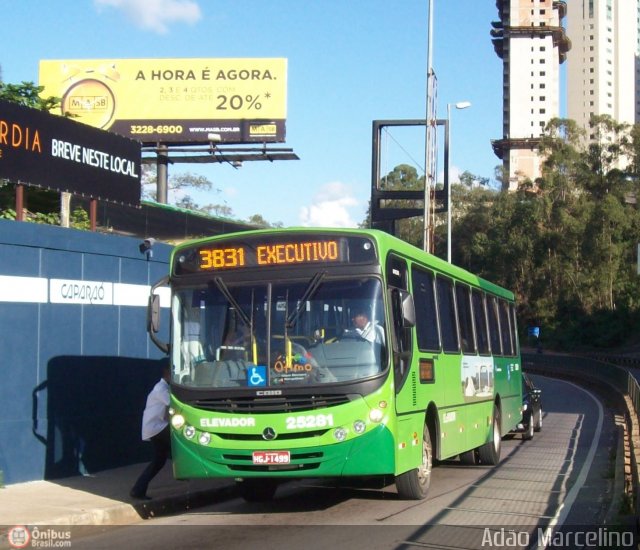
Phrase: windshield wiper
(309, 291)
(222, 287)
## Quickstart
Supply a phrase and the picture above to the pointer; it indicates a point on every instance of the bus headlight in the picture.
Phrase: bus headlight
(375, 415)
(205, 438)
(189, 432)
(177, 421)
(359, 426)
(340, 434)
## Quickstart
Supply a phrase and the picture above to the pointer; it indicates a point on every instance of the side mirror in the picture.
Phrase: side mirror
(405, 310)
(153, 316)
(408, 310)
(153, 319)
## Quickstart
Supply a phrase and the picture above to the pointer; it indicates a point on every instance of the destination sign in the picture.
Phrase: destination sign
(273, 251)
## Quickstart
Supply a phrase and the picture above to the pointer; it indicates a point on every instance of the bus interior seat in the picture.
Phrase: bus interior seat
(203, 374)
(230, 373)
(348, 359)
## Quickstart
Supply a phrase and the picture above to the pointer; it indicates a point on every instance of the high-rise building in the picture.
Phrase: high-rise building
(602, 67)
(532, 43)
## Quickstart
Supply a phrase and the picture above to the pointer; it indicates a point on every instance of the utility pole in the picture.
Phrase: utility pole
(430, 137)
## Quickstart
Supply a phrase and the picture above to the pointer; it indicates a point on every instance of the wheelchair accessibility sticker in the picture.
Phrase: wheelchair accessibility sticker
(257, 376)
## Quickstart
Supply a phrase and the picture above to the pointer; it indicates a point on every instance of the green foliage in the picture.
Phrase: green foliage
(49, 218)
(80, 219)
(28, 95)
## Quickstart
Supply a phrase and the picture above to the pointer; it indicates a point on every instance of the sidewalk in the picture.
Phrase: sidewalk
(103, 498)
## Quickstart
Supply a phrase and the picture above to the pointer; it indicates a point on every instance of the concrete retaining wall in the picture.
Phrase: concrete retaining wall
(76, 361)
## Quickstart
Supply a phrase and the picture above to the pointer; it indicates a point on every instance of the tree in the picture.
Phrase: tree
(177, 185)
(404, 177)
(28, 94)
(258, 220)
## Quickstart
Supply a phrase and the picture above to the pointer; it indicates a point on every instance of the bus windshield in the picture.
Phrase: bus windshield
(273, 334)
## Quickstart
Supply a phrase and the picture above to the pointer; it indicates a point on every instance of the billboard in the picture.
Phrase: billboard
(180, 101)
(52, 152)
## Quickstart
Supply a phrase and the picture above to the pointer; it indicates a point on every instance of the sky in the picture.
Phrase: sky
(350, 62)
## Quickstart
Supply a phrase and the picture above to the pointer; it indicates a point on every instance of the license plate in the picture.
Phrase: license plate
(271, 457)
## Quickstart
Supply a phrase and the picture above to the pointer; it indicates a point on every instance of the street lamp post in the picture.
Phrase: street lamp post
(459, 105)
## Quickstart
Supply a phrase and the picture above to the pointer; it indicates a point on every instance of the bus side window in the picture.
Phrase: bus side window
(514, 328)
(480, 318)
(505, 328)
(447, 314)
(465, 321)
(426, 312)
(494, 328)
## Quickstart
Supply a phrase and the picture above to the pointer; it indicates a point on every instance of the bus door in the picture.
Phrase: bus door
(401, 329)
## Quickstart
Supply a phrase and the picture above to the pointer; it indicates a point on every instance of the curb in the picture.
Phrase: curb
(129, 513)
(183, 502)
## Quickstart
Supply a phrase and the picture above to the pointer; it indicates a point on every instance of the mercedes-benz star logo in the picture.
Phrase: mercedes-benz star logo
(268, 434)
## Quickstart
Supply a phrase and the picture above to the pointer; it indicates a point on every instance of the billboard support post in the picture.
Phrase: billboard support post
(93, 214)
(162, 177)
(19, 202)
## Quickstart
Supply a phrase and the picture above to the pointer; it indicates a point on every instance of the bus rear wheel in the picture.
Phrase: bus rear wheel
(489, 453)
(414, 484)
(257, 490)
(538, 425)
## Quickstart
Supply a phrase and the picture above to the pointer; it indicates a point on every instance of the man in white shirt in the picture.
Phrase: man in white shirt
(372, 332)
(155, 428)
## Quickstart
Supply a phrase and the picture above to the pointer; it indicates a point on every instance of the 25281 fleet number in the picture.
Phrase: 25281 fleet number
(309, 421)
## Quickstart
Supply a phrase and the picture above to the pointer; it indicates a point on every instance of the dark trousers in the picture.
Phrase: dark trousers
(161, 452)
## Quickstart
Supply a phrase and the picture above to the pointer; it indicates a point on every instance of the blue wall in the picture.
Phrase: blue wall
(75, 360)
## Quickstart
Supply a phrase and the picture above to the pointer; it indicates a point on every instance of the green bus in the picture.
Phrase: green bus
(327, 353)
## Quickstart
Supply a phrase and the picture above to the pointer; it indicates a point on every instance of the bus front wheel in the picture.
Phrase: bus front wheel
(414, 484)
(489, 453)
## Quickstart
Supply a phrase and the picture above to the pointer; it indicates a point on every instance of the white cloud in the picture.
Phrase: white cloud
(155, 15)
(330, 207)
(454, 175)
(231, 192)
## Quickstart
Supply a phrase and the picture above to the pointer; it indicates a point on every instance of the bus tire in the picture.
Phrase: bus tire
(414, 484)
(257, 490)
(489, 453)
(538, 424)
(528, 433)
(469, 458)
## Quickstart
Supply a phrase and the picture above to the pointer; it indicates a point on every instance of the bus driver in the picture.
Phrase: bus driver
(372, 332)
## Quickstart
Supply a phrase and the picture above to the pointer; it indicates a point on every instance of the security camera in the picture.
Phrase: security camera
(146, 246)
(214, 138)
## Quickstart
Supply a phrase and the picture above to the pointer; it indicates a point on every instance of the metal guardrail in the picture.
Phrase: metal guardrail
(604, 369)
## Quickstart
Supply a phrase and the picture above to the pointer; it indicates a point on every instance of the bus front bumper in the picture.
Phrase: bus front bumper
(371, 453)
